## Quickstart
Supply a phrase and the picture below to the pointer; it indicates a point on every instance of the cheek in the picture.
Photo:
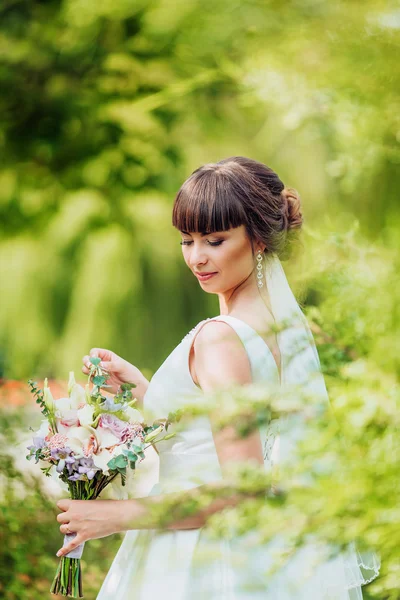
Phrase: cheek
(185, 254)
(240, 260)
(236, 265)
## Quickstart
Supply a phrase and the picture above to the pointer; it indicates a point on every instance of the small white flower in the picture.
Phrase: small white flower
(43, 429)
(47, 396)
(85, 415)
(134, 415)
(71, 382)
(76, 393)
(62, 405)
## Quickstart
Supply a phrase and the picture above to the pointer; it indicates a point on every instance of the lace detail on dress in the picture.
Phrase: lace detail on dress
(191, 332)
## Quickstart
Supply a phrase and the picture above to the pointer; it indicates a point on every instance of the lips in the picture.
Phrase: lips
(204, 276)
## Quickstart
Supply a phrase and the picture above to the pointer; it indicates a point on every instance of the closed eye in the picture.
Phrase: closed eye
(188, 243)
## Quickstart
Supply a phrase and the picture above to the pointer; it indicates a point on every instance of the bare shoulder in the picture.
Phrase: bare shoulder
(215, 332)
(220, 359)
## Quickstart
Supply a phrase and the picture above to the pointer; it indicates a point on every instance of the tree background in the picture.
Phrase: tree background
(106, 108)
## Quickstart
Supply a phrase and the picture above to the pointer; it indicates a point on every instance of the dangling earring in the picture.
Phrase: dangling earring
(260, 275)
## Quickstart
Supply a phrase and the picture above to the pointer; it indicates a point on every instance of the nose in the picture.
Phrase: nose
(197, 256)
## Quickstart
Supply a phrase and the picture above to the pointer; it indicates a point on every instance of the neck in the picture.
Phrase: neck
(244, 298)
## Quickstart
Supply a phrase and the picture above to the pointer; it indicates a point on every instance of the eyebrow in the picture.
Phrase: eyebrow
(203, 233)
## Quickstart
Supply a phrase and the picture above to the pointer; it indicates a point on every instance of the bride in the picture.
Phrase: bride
(236, 220)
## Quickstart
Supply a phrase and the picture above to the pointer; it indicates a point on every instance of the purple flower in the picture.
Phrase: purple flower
(38, 443)
(63, 455)
(84, 466)
(87, 467)
(77, 477)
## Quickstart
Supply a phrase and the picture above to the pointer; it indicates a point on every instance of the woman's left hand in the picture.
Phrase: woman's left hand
(89, 519)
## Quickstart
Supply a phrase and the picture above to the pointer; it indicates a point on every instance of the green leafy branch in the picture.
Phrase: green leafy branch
(39, 397)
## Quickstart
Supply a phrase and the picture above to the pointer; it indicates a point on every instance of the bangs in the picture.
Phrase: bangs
(208, 201)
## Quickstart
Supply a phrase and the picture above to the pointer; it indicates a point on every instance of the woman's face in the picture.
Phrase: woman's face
(224, 258)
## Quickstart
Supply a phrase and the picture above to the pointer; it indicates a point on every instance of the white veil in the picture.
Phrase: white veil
(300, 365)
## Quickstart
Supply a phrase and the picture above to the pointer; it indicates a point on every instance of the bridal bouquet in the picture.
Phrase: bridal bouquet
(89, 440)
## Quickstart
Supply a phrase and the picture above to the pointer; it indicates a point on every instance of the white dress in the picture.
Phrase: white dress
(187, 564)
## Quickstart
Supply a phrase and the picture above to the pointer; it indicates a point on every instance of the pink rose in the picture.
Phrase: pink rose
(121, 429)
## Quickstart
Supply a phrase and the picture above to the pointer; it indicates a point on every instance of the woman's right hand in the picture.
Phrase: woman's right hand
(120, 371)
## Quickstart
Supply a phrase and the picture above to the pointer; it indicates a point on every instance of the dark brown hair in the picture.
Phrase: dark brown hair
(239, 191)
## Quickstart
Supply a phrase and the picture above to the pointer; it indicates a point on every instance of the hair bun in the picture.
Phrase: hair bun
(293, 208)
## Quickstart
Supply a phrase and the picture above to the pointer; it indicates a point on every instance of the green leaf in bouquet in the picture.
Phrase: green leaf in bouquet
(111, 464)
(136, 448)
(125, 387)
(95, 360)
(132, 457)
(99, 380)
(120, 461)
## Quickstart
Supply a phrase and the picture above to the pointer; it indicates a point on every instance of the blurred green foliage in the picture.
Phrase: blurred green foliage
(106, 107)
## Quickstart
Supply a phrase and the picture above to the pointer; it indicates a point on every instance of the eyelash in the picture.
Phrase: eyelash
(183, 243)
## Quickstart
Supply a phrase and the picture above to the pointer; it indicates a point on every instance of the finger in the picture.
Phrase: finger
(65, 529)
(64, 504)
(63, 518)
(101, 353)
(107, 365)
(78, 539)
(86, 364)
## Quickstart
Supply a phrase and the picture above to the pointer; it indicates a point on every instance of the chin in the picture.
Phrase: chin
(208, 288)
